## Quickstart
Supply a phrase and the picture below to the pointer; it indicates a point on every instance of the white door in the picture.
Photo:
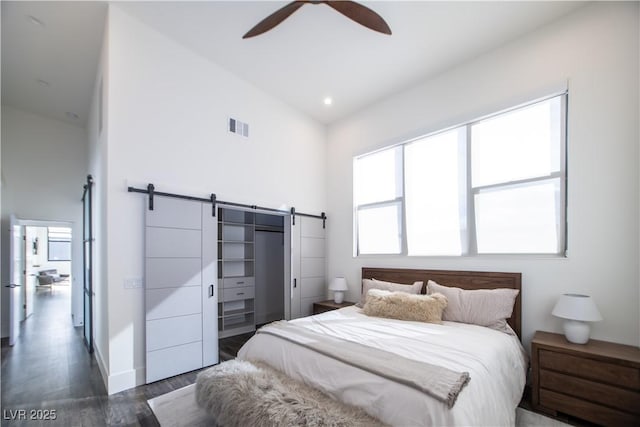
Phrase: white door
(16, 274)
(308, 265)
(31, 278)
(181, 292)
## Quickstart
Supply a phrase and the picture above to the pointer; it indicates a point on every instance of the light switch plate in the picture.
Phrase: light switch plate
(132, 282)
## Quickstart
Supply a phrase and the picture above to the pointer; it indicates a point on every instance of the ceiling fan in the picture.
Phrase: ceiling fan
(352, 10)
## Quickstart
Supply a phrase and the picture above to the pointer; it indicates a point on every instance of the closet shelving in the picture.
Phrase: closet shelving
(236, 265)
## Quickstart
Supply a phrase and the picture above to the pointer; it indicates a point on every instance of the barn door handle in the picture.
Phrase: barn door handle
(295, 283)
(211, 290)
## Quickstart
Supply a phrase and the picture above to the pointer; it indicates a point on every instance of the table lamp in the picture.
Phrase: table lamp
(577, 310)
(338, 286)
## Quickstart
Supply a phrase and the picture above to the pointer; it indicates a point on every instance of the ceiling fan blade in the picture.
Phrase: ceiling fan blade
(274, 19)
(361, 14)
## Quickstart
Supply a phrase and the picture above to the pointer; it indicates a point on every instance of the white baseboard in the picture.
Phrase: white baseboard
(102, 366)
(122, 380)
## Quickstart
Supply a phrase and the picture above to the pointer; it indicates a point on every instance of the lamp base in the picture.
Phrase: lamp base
(338, 297)
(576, 331)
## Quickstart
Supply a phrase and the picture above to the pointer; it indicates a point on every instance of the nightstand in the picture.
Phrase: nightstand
(598, 381)
(328, 305)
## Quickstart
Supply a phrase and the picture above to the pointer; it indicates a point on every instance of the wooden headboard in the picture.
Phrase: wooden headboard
(459, 279)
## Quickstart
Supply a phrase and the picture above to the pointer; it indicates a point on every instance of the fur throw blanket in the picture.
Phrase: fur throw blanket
(241, 393)
(405, 306)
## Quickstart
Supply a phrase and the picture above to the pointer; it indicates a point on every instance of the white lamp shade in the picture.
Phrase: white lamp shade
(338, 284)
(577, 307)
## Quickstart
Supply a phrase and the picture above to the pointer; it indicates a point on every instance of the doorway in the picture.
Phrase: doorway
(47, 266)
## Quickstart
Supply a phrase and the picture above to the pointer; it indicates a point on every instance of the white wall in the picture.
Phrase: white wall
(596, 50)
(43, 168)
(168, 110)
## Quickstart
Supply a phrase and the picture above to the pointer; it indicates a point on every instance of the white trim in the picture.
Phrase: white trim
(102, 366)
(123, 381)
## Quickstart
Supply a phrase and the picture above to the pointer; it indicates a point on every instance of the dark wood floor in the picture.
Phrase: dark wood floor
(49, 369)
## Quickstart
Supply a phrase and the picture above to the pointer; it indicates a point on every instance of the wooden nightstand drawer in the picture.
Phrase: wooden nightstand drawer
(614, 397)
(587, 410)
(624, 376)
(598, 381)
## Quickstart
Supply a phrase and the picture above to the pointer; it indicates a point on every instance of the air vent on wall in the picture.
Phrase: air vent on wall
(236, 126)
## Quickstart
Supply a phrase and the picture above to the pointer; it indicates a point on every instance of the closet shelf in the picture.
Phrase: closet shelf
(236, 244)
(235, 313)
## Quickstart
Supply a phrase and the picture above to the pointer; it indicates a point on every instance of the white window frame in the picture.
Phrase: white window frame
(397, 201)
(469, 238)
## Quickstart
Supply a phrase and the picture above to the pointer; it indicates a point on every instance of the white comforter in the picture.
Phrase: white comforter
(495, 361)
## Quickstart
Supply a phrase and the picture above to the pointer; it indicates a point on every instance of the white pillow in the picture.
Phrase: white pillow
(367, 284)
(484, 307)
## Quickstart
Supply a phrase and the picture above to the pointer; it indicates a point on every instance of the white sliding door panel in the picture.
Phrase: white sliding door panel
(296, 249)
(181, 287)
(172, 272)
(173, 243)
(174, 213)
(209, 287)
(308, 265)
(172, 361)
(313, 287)
(312, 267)
(313, 247)
(173, 331)
(312, 227)
(171, 302)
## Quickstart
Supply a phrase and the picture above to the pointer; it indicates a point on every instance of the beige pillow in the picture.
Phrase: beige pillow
(404, 306)
(484, 307)
(368, 284)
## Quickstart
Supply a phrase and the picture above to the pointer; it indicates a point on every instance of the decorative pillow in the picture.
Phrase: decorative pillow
(368, 284)
(405, 306)
(484, 307)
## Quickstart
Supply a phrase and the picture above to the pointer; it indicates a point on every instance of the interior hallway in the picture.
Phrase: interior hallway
(49, 368)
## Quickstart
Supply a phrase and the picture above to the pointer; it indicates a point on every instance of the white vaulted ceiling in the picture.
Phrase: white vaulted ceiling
(313, 54)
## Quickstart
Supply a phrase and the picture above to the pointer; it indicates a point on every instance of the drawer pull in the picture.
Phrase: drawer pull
(239, 293)
(239, 283)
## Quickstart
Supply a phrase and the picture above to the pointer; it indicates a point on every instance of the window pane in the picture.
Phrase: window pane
(520, 219)
(521, 144)
(59, 251)
(377, 177)
(434, 173)
(379, 230)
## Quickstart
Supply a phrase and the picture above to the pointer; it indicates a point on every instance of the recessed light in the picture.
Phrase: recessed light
(43, 83)
(72, 116)
(35, 21)
(328, 101)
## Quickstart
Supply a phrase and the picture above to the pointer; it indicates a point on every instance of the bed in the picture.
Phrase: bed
(495, 361)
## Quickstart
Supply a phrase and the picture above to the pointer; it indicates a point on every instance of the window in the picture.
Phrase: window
(435, 193)
(378, 199)
(59, 244)
(491, 186)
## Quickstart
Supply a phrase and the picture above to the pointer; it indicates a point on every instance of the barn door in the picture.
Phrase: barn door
(181, 287)
(308, 265)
